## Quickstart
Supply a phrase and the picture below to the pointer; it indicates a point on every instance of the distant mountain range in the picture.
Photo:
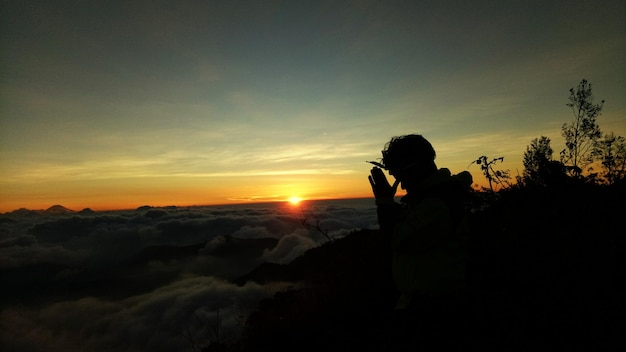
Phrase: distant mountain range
(56, 209)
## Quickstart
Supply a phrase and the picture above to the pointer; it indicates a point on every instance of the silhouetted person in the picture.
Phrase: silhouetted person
(428, 233)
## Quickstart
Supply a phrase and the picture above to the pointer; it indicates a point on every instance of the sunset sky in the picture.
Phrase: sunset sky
(118, 104)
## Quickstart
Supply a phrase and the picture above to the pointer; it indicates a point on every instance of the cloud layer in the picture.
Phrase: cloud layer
(153, 278)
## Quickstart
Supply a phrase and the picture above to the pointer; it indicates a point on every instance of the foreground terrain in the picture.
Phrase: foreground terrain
(546, 273)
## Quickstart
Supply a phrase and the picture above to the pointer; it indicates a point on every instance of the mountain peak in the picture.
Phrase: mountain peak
(58, 209)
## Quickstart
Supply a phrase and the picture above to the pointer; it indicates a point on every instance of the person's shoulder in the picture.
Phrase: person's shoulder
(443, 176)
(451, 186)
(464, 178)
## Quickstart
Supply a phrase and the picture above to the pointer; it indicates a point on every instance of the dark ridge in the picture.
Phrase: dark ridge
(24, 212)
(546, 270)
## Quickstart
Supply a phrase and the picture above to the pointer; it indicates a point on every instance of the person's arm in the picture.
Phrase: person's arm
(389, 215)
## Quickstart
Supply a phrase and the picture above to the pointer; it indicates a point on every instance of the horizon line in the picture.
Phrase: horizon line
(242, 202)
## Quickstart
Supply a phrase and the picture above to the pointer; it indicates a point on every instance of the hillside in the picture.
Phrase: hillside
(545, 273)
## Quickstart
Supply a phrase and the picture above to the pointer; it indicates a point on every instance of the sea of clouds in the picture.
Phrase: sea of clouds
(151, 279)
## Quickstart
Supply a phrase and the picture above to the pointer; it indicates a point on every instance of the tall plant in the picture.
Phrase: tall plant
(582, 133)
(494, 176)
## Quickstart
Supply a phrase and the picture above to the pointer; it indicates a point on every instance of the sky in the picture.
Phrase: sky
(118, 104)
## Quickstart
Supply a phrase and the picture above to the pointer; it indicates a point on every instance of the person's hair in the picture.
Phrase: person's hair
(407, 151)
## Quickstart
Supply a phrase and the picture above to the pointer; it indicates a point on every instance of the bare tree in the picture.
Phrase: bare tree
(582, 132)
(316, 227)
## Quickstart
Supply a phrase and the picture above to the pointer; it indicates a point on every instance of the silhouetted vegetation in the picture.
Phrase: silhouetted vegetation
(317, 227)
(582, 133)
(590, 155)
(495, 177)
(611, 151)
(536, 161)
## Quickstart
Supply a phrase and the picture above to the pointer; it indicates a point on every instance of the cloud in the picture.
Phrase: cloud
(289, 247)
(103, 238)
(137, 280)
(20, 240)
(248, 232)
(21, 256)
(155, 321)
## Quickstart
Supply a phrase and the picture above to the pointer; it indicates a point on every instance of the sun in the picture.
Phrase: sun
(295, 200)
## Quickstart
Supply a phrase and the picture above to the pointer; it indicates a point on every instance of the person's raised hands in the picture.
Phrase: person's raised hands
(380, 186)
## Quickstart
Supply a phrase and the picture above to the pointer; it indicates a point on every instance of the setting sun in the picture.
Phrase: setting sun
(295, 200)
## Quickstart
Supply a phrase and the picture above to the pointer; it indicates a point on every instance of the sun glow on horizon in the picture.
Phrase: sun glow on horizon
(295, 200)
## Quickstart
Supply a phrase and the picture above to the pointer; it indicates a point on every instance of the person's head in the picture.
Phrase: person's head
(409, 158)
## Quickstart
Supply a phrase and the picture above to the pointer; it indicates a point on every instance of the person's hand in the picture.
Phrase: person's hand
(380, 186)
